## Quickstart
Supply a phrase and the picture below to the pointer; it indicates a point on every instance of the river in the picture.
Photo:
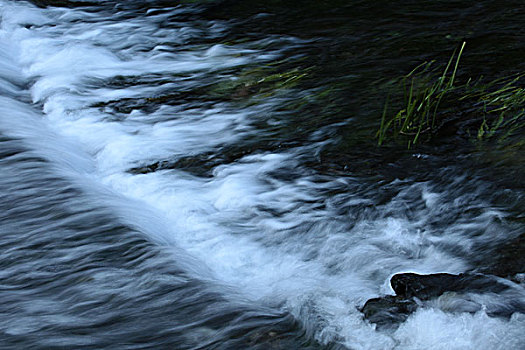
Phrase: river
(204, 175)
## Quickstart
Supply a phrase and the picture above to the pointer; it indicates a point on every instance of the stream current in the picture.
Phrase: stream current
(139, 210)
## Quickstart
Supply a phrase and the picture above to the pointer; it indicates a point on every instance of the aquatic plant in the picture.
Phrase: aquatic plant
(493, 107)
(422, 97)
(502, 105)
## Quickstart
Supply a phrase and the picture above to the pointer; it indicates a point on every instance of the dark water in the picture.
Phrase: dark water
(205, 175)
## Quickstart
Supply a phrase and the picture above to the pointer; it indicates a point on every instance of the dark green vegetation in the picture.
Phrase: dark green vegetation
(422, 98)
(497, 106)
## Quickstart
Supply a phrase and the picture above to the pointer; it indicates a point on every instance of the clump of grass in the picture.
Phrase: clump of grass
(502, 105)
(496, 107)
(422, 97)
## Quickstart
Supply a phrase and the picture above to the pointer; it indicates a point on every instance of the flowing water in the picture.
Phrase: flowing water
(202, 176)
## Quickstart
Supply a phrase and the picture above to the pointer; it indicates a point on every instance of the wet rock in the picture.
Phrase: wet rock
(388, 310)
(412, 289)
(424, 287)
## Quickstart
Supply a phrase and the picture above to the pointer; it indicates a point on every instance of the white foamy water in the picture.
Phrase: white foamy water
(287, 242)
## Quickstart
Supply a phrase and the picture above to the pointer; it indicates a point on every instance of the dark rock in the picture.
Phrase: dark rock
(412, 289)
(424, 287)
(388, 310)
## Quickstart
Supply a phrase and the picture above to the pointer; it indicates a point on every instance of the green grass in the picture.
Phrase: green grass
(422, 98)
(497, 107)
(502, 105)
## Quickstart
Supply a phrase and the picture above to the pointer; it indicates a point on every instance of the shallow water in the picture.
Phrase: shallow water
(205, 176)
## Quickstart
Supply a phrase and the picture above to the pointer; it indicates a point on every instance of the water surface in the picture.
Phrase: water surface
(205, 176)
